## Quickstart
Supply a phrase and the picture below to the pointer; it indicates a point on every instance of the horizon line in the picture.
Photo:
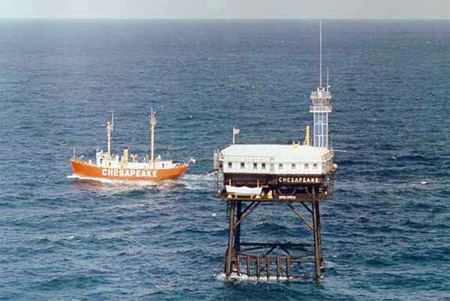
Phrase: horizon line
(223, 18)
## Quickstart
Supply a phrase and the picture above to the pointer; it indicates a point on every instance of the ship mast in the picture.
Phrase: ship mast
(153, 122)
(109, 129)
(321, 106)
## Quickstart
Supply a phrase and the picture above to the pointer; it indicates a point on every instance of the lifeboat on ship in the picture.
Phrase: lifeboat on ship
(128, 167)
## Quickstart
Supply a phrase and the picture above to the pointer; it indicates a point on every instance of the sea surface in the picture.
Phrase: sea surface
(386, 233)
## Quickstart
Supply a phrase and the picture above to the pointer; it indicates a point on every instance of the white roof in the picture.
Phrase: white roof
(278, 151)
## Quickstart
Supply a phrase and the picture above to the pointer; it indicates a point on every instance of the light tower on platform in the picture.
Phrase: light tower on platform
(321, 107)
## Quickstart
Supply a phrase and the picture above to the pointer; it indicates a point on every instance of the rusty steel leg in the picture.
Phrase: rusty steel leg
(237, 233)
(278, 267)
(238, 264)
(230, 250)
(319, 236)
(316, 231)
(258, 268)
(288, 266)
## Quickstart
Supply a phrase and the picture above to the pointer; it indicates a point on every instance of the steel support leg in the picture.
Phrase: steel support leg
(237, 233)
(230, 250)
(317, 239)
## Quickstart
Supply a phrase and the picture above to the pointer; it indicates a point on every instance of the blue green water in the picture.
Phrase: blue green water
(386, 234)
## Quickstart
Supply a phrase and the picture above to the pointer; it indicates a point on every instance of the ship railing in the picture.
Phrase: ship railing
(270, 159)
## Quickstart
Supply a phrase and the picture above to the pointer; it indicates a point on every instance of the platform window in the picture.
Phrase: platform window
(255, 165)
(293, 165)
(306, 165)
(315, 165)
(242, 165)
(280, 166)
(263, 165)
(230, 165)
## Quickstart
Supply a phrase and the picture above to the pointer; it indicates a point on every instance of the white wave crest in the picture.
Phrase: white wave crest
(236, 277)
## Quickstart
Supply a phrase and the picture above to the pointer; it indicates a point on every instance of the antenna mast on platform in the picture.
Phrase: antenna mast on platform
(321, 106)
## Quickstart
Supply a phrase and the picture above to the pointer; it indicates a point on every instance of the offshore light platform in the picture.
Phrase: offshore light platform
(297, 176)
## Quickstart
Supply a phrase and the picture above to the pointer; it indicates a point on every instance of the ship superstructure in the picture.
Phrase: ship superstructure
(128, 167)
(296, 173)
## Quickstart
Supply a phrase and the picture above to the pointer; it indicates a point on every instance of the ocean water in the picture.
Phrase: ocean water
(386, 233)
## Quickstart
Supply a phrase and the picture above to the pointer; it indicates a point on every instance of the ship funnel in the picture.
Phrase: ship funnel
(125, 155)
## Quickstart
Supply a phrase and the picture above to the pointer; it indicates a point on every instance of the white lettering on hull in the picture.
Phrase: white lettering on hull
(129, 173)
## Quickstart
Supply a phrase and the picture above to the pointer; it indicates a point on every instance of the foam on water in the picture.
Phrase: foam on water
(234, 277)
(115, 182)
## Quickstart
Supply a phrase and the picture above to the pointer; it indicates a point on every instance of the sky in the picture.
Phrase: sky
(212, 9)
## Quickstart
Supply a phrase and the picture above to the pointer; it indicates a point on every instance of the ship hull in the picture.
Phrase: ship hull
(84, 169)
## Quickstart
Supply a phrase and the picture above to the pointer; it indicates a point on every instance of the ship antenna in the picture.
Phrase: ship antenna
(320, 55)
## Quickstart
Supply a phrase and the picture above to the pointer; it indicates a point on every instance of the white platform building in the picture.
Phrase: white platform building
(278, 159)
